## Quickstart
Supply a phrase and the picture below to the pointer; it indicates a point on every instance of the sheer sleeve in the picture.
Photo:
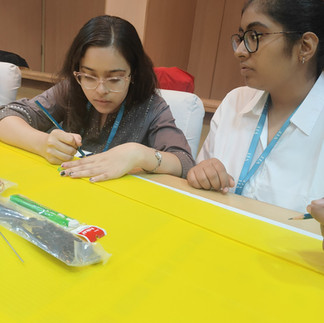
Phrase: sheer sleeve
(164, 135)
(31, 113)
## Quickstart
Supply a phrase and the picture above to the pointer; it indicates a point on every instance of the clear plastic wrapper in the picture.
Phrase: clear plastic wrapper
(49, 236)
(4, 184)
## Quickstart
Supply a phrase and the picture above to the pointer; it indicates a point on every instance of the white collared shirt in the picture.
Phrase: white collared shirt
(293, 173)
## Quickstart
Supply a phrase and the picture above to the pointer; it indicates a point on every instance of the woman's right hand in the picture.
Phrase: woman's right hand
(60, 146)
(210, 174)
(316, 209)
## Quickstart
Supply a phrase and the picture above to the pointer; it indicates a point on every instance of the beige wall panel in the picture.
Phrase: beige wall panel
(20, 29)
(204, 46)
(168, 31)
(63, 20)
(227, 75)
(133, 11)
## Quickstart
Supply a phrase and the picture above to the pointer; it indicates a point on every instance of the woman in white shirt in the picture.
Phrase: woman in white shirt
(266, 139)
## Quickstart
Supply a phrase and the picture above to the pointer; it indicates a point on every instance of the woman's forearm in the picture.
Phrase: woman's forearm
(17, 132)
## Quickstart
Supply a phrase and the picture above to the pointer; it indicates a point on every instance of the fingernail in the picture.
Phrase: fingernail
(59, 169)
(92, 180)
(62, 173)
(70, 173)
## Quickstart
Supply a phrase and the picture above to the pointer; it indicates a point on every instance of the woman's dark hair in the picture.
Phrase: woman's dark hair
(296, 15)
(104, 31)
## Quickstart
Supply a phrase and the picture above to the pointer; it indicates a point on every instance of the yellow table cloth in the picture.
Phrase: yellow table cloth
(174, 258)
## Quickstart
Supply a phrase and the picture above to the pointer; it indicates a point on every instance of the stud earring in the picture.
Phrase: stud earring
(303, 60)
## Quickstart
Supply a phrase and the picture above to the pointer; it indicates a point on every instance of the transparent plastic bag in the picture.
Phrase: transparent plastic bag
(50, 237)
(4, 184)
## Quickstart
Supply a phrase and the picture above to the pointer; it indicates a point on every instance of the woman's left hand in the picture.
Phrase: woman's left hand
(110, 164)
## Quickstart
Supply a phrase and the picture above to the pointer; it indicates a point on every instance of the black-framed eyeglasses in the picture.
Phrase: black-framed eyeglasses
(251, 39)
(112, 84)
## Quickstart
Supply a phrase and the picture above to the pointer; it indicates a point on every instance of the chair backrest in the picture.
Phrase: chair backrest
(188, 112)
(174, 78)
(10, 82)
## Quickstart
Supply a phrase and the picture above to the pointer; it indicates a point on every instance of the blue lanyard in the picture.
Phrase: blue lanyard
(115, 125)
(246, 172)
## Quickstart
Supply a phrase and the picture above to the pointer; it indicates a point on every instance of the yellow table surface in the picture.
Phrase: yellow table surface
(174, 258)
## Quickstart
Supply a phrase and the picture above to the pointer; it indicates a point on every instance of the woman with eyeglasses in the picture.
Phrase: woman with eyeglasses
(266, 139)
(107, 104)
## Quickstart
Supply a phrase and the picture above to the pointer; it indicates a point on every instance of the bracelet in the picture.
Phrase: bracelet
(158, 156)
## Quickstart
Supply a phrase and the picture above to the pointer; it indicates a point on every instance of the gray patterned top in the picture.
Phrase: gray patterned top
(150, 123)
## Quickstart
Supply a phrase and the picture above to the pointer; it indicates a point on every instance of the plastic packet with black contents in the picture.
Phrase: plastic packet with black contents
(52, 238)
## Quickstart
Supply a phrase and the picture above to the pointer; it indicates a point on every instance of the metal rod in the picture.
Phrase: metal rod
(12, 248)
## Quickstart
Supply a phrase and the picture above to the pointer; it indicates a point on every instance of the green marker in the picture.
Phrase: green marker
(52, 215)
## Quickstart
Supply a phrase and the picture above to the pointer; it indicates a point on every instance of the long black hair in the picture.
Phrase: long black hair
(105, 31)
(296, 15)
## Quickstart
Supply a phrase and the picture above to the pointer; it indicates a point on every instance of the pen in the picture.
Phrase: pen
(49, 116)
(52, 215)
(301, 217)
